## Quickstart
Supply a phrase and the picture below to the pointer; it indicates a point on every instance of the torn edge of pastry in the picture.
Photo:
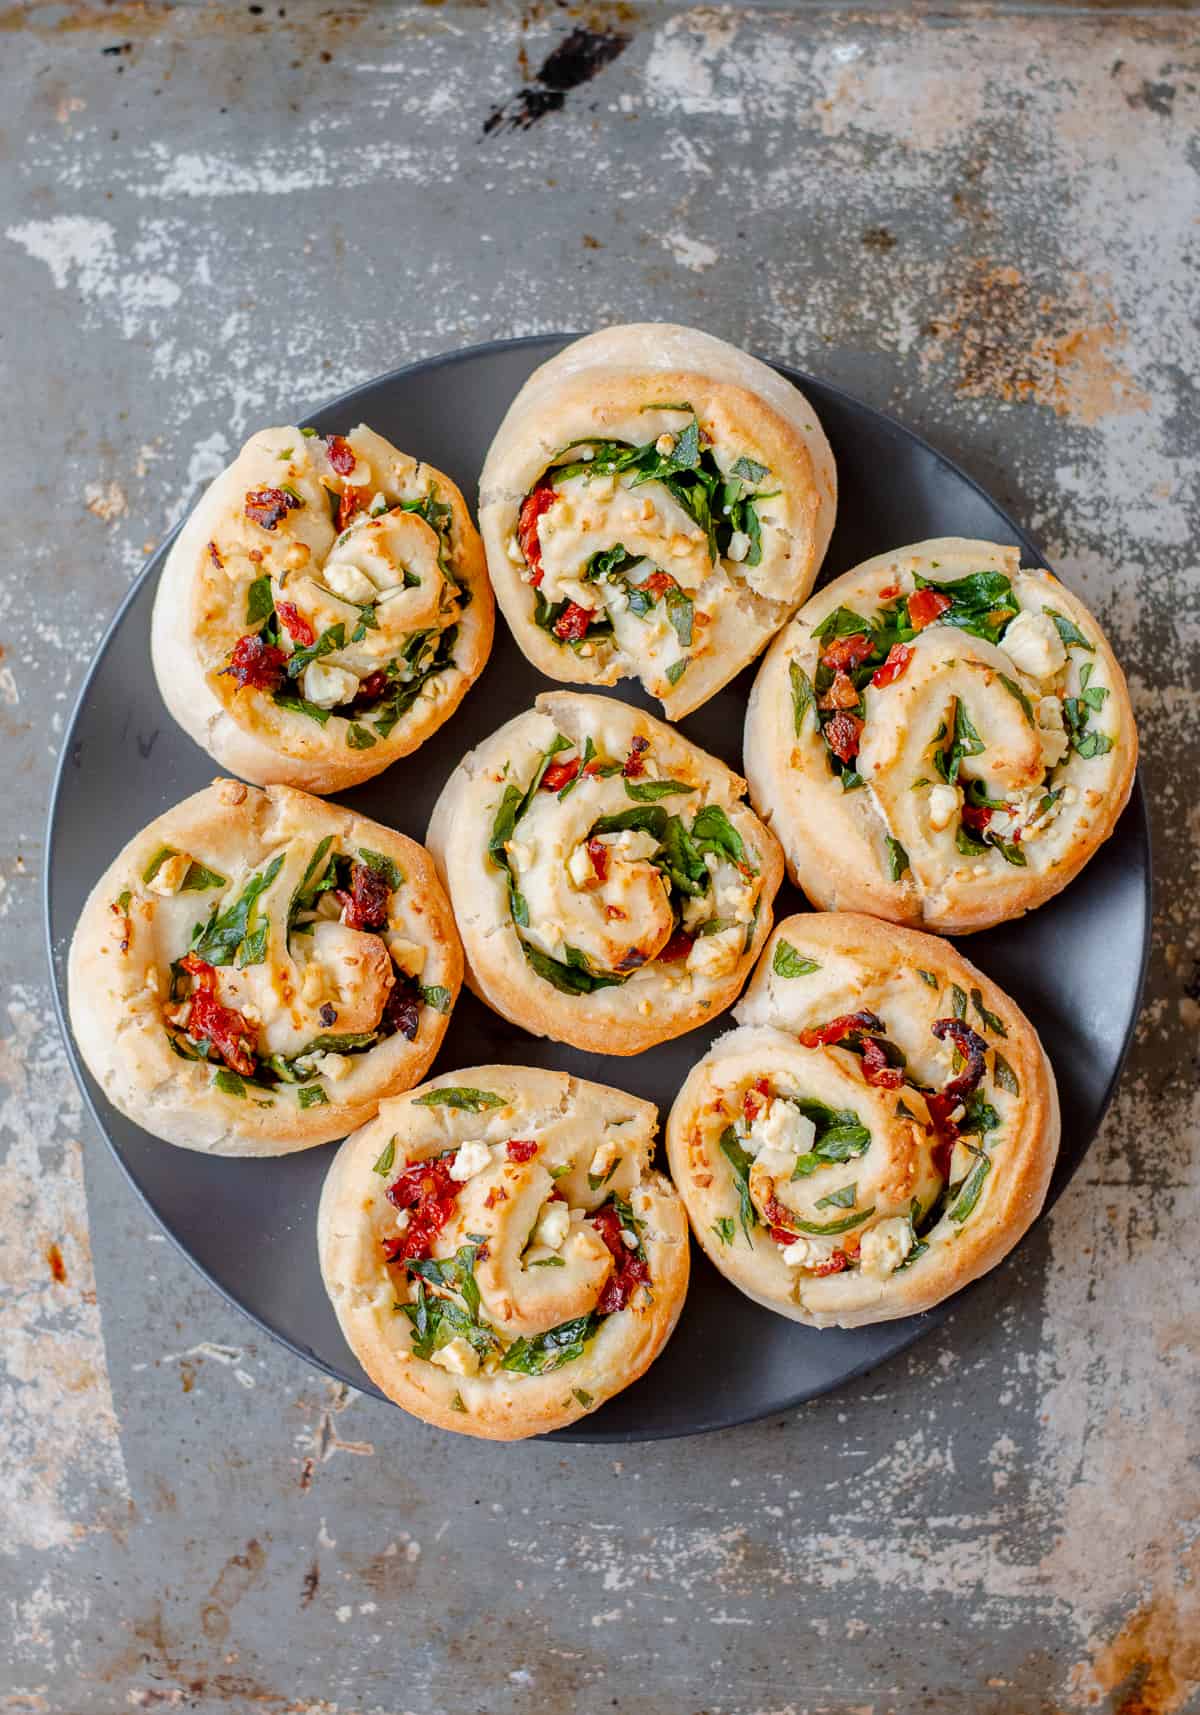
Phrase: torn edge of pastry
(325, 608)
(500, 1254)
(256, 970)
(878, 1131)
(940, 737)
(611, 886)
(654, 505)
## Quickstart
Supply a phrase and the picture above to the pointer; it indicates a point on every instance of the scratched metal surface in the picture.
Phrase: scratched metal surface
(212, 217)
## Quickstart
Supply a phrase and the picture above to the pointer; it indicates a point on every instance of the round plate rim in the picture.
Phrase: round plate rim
(922, 1324)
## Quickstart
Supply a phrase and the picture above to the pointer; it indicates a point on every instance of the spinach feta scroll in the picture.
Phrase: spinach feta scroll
(256, 970)
(611, 887)
(325, 608)
(940, 737)
(878, 1131)
(499, 1252)
(655, 503)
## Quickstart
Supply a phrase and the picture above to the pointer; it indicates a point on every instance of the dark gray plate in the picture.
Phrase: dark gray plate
(1076, 966)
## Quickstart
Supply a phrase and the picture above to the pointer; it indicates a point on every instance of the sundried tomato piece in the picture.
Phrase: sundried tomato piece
(977, 816)
(633, 766)
(846, 1024)
(658, 583)
(842, 693)
(572, 622)
(559, 774)
(402, 1009)
(843, 735)
(848, 652)
(678, 947)
(533, 506)
(372, 687)
(877, 1069)
(755, 1100)
(520, 1149)
(214, 555)
(350, 504)
(899, 656)
(629, 1269)
(782, 1237)
(205, 975)
(835, 1264)
(365, 905)
(427, 1190)
(924, 606)
(298, 628)
(972, 1047)
(340, 454)
(225, 1028)
(255, 664)
(599, 854)
(266, 506)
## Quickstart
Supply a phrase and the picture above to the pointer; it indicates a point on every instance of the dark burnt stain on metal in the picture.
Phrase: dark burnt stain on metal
(58, 1268)
(575, 61)
(878, 238)
(1158, 97)
(312, 1583)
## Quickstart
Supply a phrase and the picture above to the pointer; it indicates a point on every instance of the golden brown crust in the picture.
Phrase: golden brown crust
(324, 980)
(628, 384)
(837, 843)
(521, 1297)
(204, 605)
(661, 999)
(817, 968)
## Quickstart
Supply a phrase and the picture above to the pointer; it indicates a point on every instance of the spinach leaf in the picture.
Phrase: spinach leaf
(897, 858)
(300, 706)
(928, 977)
(260, 603)
(383, 866)
(359, 737)
(1004, 1075)
(462, 1098)
(803, 695)
(1069, 631)
(677, 669)
(749, 469)
(569, 978)
(681, 860)
(220, 941)
(334, 637)
(740, 1163)
(724, 1228)
(842, 622)
(649, 791)
(844, 1198)
(958, 1000)
(972, 1186)
(681, 612)
(1014, 690)
(714, 832)
(990, 1021)
(424, 663)
(787, 962)
(435, 996)
(648, 821)
(311, 1096)
(982, 603)
(829, 1228)
(386, 1160)
(839, 1136)
(551, 1350)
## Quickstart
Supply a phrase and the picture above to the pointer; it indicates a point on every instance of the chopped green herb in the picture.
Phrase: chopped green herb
(583, 1396)
(461, 1097)
(650, 791)
(803, 695)
(740, 1164)
(928, 977)
(897, 858)
(230, 1082)
(787, 962)
(1004, 1075)
(958, 1000)
(724, 1228)
(387, 1158)
(260, 603)
(676, 670)
(1069, 631)
(971, 1188)
(435, 996)
(359, 737)
(842, 1199)
(990, 1021)
(311, 1096)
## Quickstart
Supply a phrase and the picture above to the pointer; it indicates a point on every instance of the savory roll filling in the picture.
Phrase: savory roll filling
(257, 969)
(878, 1130)
(963, 726)
(500, 1253)
(639, 548)
(354, 611)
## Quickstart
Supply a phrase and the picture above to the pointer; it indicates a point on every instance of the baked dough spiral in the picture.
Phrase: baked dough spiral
(256, 970)
(325, 608)
(655, 503)
(940, 738)
(878, 1131)
(500, 1255)
(611, 889)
